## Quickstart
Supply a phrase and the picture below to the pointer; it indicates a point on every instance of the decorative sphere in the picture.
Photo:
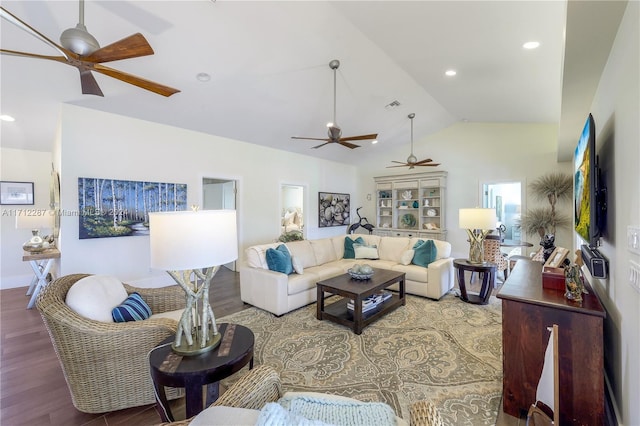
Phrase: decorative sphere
(366, 269)
(356, 269)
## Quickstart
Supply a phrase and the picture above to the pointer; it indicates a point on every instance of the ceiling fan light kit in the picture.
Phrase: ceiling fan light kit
(412, 160)
(334, 131)
(81, 50)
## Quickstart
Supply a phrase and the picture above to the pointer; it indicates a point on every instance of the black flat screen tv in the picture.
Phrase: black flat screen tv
(585, 186)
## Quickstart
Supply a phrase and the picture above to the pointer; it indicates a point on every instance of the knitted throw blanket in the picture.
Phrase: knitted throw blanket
(310, 411)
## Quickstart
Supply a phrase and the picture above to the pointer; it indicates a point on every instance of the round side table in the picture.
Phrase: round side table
(193, 372)
(488, 272)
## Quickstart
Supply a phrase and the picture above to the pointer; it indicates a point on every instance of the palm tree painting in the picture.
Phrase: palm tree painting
(118, 208)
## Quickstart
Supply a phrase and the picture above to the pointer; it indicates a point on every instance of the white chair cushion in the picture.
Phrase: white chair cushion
(219, 415)
(174, 315)
(95, 296)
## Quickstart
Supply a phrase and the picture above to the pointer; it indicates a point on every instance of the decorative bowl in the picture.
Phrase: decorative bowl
(359, 276)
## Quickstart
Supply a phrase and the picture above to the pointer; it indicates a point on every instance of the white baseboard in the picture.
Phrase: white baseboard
(15, 281)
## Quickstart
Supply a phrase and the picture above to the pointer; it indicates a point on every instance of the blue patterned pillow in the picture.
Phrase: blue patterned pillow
(279, 259)
(425, 253)
(349, 251)
(132, 309)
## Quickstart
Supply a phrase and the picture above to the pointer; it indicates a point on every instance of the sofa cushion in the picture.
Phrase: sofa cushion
(256, 255)
(297, 265)
(443, 248)
(303, 251)
(392, 248)
(413, 272)
(349, 252)
(338, 245)
(407, 257)
(363, 251)
(424, 253)
(299, 283)
(279, 259)
(95, 296)
(133, 308)
(323, 250)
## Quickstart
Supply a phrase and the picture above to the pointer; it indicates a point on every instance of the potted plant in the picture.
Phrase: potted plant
(553, 187)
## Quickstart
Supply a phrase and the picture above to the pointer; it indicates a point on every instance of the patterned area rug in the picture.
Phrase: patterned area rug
(449, 352)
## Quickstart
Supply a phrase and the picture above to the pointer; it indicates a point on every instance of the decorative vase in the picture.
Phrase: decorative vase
(416, 204)
(36, 244)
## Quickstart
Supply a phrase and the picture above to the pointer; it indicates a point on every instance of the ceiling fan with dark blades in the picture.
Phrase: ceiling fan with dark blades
(80, 49)
(412, 160)
(334, 131)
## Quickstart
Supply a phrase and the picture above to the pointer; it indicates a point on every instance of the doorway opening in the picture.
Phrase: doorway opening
(291, 208)
(506, 198)
(219, 194)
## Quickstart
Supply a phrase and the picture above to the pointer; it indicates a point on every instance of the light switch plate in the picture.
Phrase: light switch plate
(633, 239)
(634, 275)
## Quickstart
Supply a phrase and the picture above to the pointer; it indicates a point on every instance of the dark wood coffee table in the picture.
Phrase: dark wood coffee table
(193, 372)
(358, 290)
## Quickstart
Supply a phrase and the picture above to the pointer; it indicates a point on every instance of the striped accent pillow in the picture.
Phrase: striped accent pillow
(132, 309)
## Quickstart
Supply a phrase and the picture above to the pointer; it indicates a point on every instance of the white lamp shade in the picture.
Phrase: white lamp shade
(187, 240)
(38, 220)
(478, 218)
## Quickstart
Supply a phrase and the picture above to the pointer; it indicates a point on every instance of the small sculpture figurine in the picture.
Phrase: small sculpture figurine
(573, 283)
(548, 245)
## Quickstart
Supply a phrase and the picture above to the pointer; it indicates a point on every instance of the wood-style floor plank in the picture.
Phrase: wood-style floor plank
(32, 387)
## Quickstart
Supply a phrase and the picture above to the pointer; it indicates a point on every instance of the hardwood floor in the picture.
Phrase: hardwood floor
(32, 387)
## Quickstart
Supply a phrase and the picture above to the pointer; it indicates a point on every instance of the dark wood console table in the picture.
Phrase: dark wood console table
(527, 310)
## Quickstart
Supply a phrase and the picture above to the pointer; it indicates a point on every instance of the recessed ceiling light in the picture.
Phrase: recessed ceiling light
(5, 117)
(375, 141)
(450, 73)
(531, 45)
(203, 77)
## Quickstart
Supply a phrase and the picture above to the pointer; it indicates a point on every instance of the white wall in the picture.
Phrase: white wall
(616, 111)
(473, 153)
(97, 144)
(21, 166)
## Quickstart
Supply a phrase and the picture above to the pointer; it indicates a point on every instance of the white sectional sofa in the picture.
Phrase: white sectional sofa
(280, 293)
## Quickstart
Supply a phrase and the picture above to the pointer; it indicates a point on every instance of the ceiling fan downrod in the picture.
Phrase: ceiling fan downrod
(412, 158)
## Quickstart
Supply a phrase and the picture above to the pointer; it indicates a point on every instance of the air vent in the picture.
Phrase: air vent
(392, 105)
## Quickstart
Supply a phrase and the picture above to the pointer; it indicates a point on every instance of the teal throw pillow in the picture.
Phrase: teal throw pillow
(425, 253)
(279, 259)
(134, 308)
(349, 252)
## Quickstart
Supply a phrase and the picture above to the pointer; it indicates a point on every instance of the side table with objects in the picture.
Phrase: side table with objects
(488, 272)
(41, 264)
(193, 372)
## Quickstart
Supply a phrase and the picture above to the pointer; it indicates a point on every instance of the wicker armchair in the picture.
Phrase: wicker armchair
(105, 364)
(262, 385)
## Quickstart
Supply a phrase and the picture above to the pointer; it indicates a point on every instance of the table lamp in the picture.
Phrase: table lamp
(478, 223)
(40, 219)
(191, 246)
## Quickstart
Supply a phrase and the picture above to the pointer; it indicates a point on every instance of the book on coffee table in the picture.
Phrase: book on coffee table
(372, 301)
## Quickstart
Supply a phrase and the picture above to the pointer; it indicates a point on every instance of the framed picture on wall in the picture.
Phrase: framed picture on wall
(120, 208)
(333, 209)
(16, 193)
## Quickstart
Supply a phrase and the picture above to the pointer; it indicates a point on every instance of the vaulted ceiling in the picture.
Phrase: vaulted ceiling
(270, 78)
